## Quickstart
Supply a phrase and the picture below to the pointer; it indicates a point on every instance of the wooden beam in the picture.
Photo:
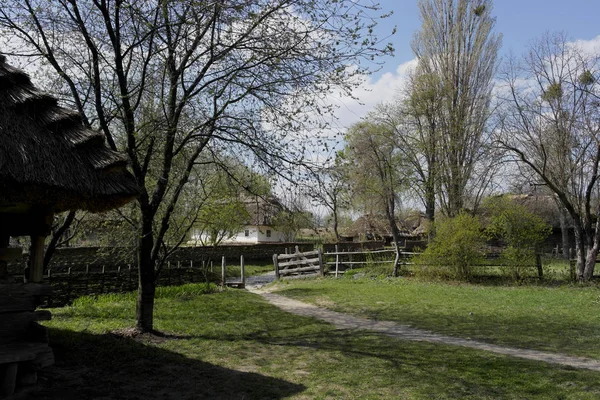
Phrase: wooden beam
(36, 259)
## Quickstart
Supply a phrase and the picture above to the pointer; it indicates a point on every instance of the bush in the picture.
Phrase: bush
(459, 244)
(522, 231)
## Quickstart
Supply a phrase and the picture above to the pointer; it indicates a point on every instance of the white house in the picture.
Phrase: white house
(260, 227)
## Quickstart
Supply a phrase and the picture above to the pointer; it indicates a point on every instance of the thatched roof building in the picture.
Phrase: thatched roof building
(49, 162)
(47, 156)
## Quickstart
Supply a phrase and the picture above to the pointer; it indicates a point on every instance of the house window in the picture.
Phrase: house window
(268, 233)
(246, 233)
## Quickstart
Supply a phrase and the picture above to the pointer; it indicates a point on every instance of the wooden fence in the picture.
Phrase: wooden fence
(344, 260)
(297, 263)
(71, 281)
(338, 262)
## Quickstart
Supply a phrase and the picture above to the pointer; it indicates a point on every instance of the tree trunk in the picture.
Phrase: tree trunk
(390, 211)
(564, 231)
(430, 200)
(56, 235)
(335, 224)
(146, 282)
(580, 252)
(590, 262)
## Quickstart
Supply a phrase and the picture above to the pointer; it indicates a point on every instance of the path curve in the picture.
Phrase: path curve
(393, 329)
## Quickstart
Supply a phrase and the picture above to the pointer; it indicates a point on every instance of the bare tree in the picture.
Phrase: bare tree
(457, 50)
(550, 123)
(329, 187)
(169, 80)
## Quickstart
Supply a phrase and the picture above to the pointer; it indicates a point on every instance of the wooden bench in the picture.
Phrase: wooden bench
(28, 356)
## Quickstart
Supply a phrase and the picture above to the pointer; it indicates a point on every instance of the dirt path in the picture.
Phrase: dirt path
(346, 321)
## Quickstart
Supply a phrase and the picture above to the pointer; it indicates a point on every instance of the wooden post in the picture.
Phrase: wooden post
(276, 265)
(538, 263)
(191, 271)
(321, 266)
(168, 273)
(36, 259)
(9, 380)
(223, 272)
(102, 280)
(572, 264)
(337, 261)
(242, 274)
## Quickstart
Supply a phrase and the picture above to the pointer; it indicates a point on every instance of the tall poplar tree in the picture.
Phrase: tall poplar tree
(457, 49)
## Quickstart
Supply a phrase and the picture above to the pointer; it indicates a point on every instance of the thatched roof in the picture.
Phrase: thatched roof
(262, 210)
(48, 157)
(374, 226)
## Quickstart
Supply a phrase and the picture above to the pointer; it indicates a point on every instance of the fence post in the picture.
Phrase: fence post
(103, 277)
(242, 274)
(191, 271)
(572, 263)
(276, 265)
(223, 272)
(337, 261)
(321, 266)
(538, 263)
(169, 273)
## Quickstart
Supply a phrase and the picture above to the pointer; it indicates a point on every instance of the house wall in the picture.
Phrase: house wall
(249, 235)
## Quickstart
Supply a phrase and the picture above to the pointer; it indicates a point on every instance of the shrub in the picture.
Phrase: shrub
(458, 244)
(522, 231)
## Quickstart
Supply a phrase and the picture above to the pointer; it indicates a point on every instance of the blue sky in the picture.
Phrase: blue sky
(519, 21)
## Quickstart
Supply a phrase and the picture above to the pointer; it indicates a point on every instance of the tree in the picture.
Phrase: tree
(329, 188)
(373, 164)
(456, 51)
(414, 119)
(549, 123)
(168, 81)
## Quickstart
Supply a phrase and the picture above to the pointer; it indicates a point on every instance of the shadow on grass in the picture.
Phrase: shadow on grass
(90, 366)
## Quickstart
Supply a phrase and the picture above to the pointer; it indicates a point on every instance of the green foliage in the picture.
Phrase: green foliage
(522, 231)
(222, 220)
(457, 246)
(553, 93)
(587, 78)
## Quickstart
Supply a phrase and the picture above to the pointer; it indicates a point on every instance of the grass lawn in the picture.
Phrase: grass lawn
(562, 319)
(234, 345)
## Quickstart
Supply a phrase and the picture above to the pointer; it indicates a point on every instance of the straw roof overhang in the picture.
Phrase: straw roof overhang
(49, 159)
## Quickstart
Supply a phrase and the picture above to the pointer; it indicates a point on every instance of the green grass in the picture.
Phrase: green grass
(562, 319)
(249, 269)
(234, 345)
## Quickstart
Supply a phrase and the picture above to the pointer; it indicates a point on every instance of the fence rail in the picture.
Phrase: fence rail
(298, 263)
(71, 281)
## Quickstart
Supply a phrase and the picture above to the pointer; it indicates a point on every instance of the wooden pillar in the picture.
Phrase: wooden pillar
(36, 258)
(276, 266)
(242, 272)
(321, 266)
(4, 242)
(223, 272)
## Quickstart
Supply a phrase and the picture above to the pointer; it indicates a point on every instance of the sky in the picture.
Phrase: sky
(519, 21)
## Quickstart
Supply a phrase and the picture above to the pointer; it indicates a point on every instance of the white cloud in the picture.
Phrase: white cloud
(591, 46)
(370, 93)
